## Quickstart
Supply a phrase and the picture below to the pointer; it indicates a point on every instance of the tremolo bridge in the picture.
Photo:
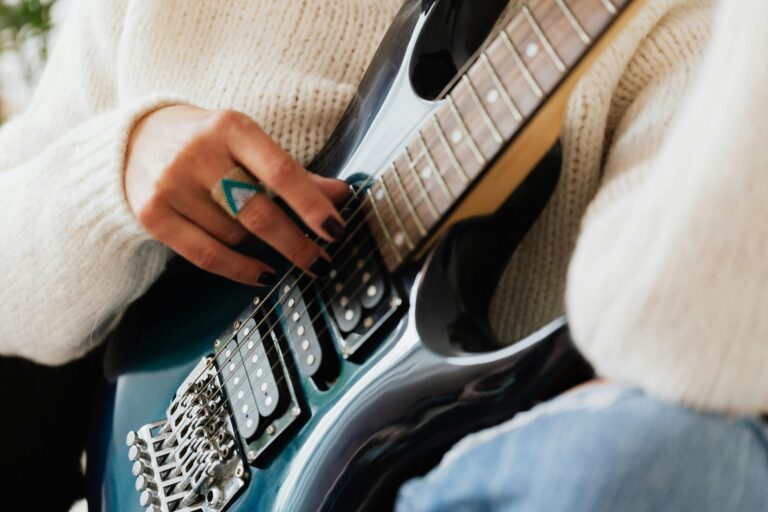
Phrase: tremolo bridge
(238, 403)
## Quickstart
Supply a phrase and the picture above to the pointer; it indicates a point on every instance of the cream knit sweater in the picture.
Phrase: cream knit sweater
(667, 286)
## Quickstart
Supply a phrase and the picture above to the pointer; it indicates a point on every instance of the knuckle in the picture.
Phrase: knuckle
(152, 214)
(282, 170)
(205, 257)
(223, 118)
(258, 218)
(235, 237)
(300, 251)
(312, 207)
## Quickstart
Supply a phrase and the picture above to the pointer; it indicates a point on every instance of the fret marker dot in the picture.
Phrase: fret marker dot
(249, 423)
(246, 331)
(236, 381)
(349, 315)
(268, 401)
(532, 50)
(287, 289)
(263, 387)
(259, 373)
(232, 367)
(399, 239)
(379, 194)
(366, 277)
(371, 291)
(240, 394)
(491, 96)
(333, 274)
(228, 353)
(360, 263)
(300, 330)
(245, 409)
(296, 316)
(344, 301)
(368, 322)
(456, 136)
(255, 359)
(426, 172)
(250, 344)
(338, 287)
(291, 303)
(305, 345)
(310, 359)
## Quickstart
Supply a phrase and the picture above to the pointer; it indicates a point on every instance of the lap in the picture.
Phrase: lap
(602, 448)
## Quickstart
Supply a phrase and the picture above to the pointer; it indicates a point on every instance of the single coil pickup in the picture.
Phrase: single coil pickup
(306, 333)
(254, 379)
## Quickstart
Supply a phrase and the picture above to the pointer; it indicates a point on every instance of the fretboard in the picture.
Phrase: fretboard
(490, 103)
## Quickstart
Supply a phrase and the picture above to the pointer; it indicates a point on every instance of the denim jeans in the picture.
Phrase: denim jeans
(599, 449)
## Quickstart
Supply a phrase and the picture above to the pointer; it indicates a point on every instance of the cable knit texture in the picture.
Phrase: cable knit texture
(665, 287)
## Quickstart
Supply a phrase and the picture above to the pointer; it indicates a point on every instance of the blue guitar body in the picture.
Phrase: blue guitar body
(418, 370)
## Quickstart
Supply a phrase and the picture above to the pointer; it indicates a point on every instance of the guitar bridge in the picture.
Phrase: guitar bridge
(189, 462)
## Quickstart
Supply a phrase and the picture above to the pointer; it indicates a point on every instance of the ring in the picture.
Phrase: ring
(235, 189)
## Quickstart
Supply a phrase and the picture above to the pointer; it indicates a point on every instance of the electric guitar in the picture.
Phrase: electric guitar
(327, 394)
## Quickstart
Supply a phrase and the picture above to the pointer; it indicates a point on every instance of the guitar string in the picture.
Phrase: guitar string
(349, 239)
(424, 196)
(277, 302)
(279, 377)
(371, 178)
(324, 288)
(412, 163)
(307, 305)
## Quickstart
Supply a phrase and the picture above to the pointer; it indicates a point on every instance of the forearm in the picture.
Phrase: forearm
(73, 255)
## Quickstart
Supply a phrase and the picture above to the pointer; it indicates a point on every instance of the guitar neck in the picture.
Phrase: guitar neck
(489, 106)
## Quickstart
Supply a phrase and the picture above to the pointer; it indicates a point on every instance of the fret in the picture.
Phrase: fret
(500, 87)
(593, 15)
(449, 150)
(443, 198)
(481, 108)
(383, 225)
(520, 64)
(573, 22)
(396, 215)
(425, 195)
(435, 169)
(475, 150)
(408, 203)
(609, 6)
(543, 39)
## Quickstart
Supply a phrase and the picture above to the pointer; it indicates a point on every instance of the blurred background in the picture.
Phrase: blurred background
(27, 30)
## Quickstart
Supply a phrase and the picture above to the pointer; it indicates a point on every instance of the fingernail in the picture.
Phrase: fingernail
(267, 279)
(333, 228)
(321, 267)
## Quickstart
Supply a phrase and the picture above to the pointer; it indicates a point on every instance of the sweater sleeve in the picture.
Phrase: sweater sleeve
(668, 287)
(72, 254)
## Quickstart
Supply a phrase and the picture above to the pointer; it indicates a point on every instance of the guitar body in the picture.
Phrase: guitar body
(425, 372)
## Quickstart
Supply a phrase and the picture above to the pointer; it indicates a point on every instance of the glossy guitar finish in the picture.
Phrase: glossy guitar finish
(397, 405)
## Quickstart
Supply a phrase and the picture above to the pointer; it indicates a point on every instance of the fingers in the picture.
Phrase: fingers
(262, 217)
(250, 146)
(198, 208)
(336, 190)
(194, 244)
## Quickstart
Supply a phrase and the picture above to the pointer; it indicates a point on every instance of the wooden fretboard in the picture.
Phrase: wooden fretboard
(487, 107)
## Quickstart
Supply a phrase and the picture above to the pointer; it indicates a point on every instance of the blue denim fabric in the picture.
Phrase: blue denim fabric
(604, 448)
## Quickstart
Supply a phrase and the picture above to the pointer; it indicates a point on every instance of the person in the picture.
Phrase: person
(145, 106)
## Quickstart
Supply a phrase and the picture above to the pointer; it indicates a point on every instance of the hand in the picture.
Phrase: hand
(175, 157)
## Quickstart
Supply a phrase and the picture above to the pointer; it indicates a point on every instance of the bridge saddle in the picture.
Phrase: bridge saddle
(190, 461)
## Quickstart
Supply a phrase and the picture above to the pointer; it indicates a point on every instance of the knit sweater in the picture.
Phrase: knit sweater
(663, 292)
